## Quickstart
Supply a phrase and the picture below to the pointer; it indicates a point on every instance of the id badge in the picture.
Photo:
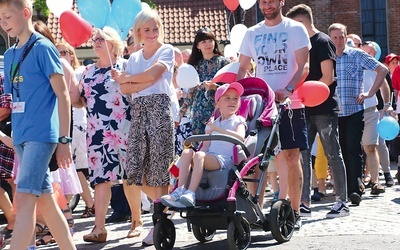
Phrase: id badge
(18, 107)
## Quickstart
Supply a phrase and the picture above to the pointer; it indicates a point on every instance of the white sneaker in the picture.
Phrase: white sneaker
(339, 209)
(188, 199)
(148, 240)
(172, 199)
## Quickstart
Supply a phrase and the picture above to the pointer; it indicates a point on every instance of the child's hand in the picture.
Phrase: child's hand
(210, 126)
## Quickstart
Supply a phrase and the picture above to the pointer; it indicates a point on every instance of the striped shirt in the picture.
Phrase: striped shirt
(349, 70)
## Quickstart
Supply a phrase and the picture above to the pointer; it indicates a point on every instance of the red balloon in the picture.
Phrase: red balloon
(74, 28)
(313, 93)
(231, 4)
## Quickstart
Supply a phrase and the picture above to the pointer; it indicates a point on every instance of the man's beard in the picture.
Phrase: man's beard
(271, 16)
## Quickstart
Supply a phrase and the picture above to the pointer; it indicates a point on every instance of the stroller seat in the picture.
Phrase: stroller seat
(214, 184)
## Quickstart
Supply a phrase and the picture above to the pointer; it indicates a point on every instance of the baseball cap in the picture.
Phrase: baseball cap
(390, 57)
(221, 90)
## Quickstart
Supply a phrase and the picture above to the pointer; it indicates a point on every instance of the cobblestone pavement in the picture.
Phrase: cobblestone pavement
(373, 224)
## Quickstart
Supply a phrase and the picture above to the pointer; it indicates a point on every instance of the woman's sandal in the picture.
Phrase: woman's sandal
(41, 229)
(136, 229)
(70, 221)
(89, 212)
(96, 237)
(47, 239)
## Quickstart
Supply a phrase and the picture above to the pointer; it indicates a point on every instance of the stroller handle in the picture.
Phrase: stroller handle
(227, 138)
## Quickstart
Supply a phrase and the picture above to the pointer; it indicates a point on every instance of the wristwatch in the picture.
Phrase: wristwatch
(64, 139)
(289, 88)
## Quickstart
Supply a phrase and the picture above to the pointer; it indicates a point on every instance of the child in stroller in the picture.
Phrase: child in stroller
(223, 200)
(213, 155)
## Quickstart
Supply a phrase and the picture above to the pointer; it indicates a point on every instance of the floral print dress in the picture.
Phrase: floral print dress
(200, 102)
(108, 122)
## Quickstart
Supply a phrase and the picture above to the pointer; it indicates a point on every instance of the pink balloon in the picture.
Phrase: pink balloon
(313, 93)
(75, 30)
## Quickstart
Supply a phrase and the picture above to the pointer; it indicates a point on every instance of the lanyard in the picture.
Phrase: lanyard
(28, 47)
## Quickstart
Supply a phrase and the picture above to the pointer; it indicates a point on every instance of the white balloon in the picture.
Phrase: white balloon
(230, 51)
(187, 76)
(57, 7)
(145, 6)
(247, 4)
(237, 35)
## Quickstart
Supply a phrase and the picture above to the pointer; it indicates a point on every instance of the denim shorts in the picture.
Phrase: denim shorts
(33, 170)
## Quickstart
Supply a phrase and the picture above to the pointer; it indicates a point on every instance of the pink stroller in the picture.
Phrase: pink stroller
(223, 201)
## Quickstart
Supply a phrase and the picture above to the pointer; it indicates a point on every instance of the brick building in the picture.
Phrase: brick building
(375, 20)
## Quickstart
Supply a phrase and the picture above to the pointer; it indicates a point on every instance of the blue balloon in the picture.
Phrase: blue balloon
(388, 128)
(111, 23)
(378, 50)
(124, 13)
(95, 12)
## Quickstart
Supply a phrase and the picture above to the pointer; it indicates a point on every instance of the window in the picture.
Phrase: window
(373, 21)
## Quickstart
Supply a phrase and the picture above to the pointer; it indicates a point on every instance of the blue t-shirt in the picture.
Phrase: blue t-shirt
(39, 122)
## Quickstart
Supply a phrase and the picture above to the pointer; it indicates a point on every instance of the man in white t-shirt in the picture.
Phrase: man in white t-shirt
(280, 47)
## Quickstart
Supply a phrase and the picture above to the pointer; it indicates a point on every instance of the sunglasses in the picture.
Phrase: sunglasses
(203, 30)
(63, 52)
(98, 39)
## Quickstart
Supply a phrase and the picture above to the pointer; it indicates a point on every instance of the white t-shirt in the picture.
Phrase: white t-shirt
(222, 147)
(368, 79)
(138, 64)
(273, 50)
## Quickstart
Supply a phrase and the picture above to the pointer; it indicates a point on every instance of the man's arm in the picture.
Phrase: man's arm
(4, 113)
(302, 57)
(328, 74)
(59, 86)
(381, 72)
(244, 62)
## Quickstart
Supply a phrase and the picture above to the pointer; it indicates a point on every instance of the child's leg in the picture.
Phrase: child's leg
(185, 162)
(55, 221)
(202, 160)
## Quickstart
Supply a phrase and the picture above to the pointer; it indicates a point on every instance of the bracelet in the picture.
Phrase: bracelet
(388, 104)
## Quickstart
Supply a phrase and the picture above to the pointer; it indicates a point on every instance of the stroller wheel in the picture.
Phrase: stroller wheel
(282, 221)
(203, 234)
(236, 241)
(164, 235)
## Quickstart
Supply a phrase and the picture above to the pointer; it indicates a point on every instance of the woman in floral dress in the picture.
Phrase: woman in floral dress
(207, 59)
(108, 120)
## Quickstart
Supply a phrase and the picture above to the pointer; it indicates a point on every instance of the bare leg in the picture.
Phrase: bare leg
(295, 176)
(185, 162)
(372, 162)
(282, 170)
(86, 194)
(6, 207)
(25, 220)
(102, 196)
(55, 221)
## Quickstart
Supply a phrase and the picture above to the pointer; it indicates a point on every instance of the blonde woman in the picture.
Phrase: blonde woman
(108, 118)
(148, 80)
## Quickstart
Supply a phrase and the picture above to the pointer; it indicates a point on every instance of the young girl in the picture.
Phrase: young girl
(213, 155)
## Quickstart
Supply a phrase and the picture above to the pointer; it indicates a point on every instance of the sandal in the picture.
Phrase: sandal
(41, 229)
(89, 212)
(96, 237)
(136, 229)
(47, 239)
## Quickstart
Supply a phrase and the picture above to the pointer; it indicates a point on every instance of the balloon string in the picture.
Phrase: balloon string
(109, 56)
(244, 16)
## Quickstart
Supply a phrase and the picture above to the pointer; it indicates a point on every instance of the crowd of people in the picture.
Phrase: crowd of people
(113, 127)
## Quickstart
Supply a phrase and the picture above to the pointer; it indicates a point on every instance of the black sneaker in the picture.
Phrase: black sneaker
(305, 211)
(297, 220)
(355, 198)
(339, 209)
(388, 179)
